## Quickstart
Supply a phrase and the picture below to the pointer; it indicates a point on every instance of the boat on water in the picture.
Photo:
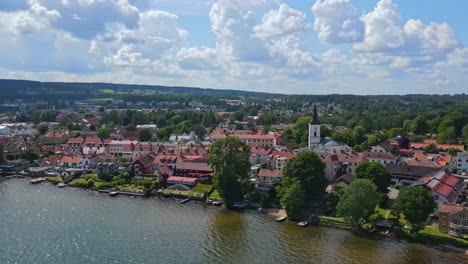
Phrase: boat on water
(185, 201)
(217, 203)
(113, 193)
(61, 185)
(302, 224)
(209, 201)
(36, 181)
(281, 218)
(239, 206)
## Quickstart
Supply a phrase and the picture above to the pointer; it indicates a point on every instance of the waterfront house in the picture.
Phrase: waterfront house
(187, 181)
(200, 170)
(453, 219)
(445, 188)
(75, 162)
(144, 164)
(267, 177)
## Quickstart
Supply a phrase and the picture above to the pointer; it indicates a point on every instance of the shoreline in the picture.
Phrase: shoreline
(277, 212)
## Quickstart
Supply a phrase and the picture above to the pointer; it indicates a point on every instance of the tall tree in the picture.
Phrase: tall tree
(376, 173)
(2, 154)
(230, 161)
(465, 134)
(144, 135)
(415, 204)
(42, 129)
(308, 168)
(419, 125)
(293, 199)
(358, 201)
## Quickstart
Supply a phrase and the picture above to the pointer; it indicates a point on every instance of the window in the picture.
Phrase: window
(315, 134)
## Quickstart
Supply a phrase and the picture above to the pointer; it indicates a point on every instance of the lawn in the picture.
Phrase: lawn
(202, 188)
(431, 234)
(54, 179)
(215, 195)
(131, 188)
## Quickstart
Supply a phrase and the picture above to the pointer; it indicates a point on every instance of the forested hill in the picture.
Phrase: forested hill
(19, 87)
(53, 91)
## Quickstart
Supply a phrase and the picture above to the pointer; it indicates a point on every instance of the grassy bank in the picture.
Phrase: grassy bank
(431, 235)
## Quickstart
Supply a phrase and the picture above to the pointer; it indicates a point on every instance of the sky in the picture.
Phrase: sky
(280, 46)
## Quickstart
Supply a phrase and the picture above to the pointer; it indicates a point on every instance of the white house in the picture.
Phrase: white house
(267, 177)
(462, 162)
(4, 130)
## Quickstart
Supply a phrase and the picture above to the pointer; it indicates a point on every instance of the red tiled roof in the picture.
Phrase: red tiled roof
(451, 180)
(379, 155)
(287, 155)
(269, 173)
(182, 179)
(198, 166)
(69, 159)
(443, 189)
(451, 208)
(78, 140)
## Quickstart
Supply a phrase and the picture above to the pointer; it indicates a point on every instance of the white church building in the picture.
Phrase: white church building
(323, 145)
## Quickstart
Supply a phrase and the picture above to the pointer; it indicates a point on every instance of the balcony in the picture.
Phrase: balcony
(457, 234)
(452, 225)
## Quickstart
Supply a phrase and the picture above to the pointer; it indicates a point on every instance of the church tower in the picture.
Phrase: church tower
(314, 130)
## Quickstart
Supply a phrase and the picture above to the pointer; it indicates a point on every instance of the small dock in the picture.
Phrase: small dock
(122, 193)
(36, 181)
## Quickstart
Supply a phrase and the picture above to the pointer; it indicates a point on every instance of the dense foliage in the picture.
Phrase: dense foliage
(358, 201)
(230, 161)
(415, 204)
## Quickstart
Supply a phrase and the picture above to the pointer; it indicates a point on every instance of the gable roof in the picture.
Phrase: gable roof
(269, 173)
(198, 166)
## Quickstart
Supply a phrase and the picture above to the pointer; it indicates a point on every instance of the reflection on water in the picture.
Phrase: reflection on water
(44, 224)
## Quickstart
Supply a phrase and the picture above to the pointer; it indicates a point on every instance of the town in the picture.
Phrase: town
(308, 170)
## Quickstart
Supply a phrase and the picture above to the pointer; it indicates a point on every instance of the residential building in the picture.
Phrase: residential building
(177, 180)
(462, 162)
(143, 164)
(267, 177)
(199, 170)
(405, 174)
(453, 219)
(4, 130)
(380, 157)
(445, 187)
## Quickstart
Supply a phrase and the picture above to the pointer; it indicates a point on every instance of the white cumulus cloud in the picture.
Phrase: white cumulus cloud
(336, 21)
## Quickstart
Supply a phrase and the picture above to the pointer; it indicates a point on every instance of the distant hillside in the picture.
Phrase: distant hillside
(21, 87)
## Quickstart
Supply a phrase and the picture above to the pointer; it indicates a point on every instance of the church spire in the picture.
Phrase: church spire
(315, 120)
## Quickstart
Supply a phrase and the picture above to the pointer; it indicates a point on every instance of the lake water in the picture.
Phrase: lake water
(44, 224)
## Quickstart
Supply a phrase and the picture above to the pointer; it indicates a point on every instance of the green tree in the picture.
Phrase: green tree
(358, 201)
(465, 134)
(230, 161)
(308, 168)
(199, 130)
(325, 132)
(104, 133)
(293, 199)
(452, 151)
(144, 135)
(419, 125)
(359, 133)
(415, 204)
(42, 129)
(376, 173)
(107, 177)
(448, 135)
(2, 154)
(432, 148)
